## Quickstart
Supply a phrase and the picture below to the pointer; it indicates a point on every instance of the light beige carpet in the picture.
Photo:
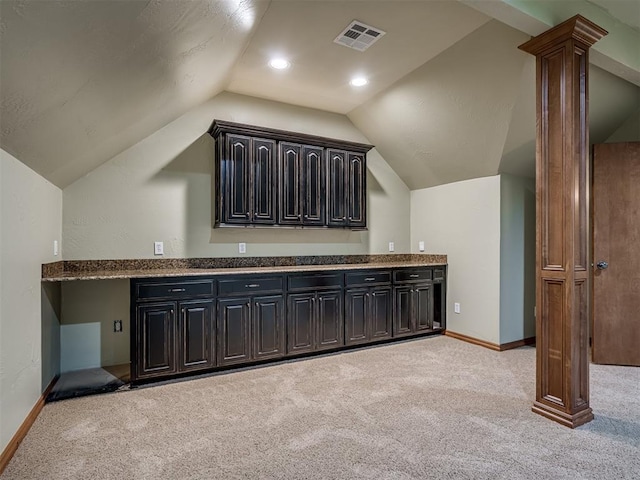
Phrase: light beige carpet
(431, 408)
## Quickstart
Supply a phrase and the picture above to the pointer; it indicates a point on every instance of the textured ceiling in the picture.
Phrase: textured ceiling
(320, 72)
(81, 81)
(450, 96)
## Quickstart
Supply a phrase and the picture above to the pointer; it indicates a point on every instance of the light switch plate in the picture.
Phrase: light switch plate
(242, 247)
(421, 246)
(456, 307)
(158, 248)
(55, 247)
(392, 246)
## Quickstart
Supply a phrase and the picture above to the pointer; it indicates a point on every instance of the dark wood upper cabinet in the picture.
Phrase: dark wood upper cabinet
(263, 181)
(356, 187)
(273, 177)
(337, 188)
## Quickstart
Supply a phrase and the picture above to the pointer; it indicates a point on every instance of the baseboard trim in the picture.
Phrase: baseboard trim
(11, 448)
(490, 345)
(518, 343)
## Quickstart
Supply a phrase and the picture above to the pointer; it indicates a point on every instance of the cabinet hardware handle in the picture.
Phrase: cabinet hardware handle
(252, 285)
(369, 279)
(173, 290)
(306, 216)
(414, 275)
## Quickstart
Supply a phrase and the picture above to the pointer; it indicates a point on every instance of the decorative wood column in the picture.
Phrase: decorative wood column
(562, 261)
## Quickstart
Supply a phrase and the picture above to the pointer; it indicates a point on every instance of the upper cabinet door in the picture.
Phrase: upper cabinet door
(314, 174)
(337, 187)
(291, 184)
(264, 181)
(357, 191)
(235, 175)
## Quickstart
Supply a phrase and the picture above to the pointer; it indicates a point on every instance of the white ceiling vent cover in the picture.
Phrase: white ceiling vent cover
(359, 36)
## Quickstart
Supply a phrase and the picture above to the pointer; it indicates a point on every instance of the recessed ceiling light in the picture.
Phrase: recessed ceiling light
(359, 81)
(279, 63)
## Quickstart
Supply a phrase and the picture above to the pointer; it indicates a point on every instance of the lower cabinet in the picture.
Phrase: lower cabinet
(315, 321)
(250, 328)
(368, 314)
(174, 337)
(183, 325)
(413, 306)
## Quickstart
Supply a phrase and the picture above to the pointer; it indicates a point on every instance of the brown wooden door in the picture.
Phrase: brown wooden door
(616, 241)
(234, 330)
(264, 181)
(236, 168)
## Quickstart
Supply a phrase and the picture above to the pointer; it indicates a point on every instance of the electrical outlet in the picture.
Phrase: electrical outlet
(392, 246)
(242, 247)
(456, 307)
(55, 247)
(158, 248)
(421, 245)
(117, 326)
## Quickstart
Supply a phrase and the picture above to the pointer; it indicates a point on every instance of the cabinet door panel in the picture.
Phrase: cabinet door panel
(380, 316)
(291, 184)
(155, 339)
(300, 318)
(357, 190)
(196, 335)
(314, 175)
(236, 173)
(264, 181)
(403, 315)
(234, 330)
(268, 327)
(423, 302)
(337, 188)
(356, 316)
(330, 320)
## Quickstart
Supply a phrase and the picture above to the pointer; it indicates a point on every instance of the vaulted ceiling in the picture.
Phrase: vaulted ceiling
(450, 96)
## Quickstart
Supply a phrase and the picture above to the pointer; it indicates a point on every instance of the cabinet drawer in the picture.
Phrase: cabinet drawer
(412, 275)
(438, 273)
(315, 281)
(368, 278)
(250, 285)
(176, 289)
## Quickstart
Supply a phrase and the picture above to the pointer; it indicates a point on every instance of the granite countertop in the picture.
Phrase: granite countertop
(155, 268)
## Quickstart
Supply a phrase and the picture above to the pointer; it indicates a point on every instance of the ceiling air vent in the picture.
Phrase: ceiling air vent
(359, 36)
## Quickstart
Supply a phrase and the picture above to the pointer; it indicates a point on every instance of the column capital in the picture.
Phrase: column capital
(577, 28)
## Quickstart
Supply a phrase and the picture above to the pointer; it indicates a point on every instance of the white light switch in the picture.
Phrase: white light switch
(242, 247)
(158, 248)
(392, 246)
(55, 247)
(456, 307)
(421, 246)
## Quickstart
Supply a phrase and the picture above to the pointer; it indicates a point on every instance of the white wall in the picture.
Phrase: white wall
(462, 219)
(160, 189)
(629, 131)
(30, 219)
(517, 258)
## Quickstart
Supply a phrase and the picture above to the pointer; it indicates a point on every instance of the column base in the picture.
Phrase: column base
(563, 418)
